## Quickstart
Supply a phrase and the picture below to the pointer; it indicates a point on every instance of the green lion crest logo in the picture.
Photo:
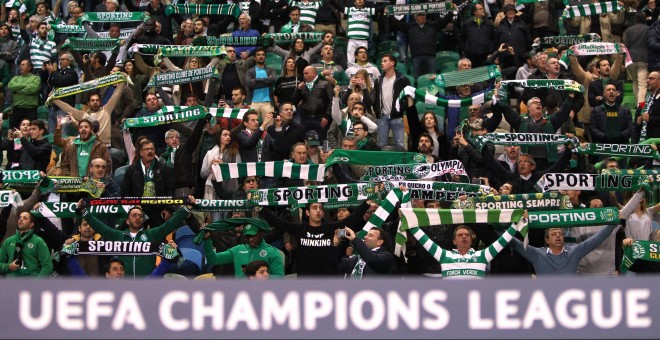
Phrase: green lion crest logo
(421, 171)
(607, 214)
(638, 251)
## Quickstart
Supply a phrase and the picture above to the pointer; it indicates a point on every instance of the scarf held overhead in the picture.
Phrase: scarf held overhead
(97, 83)
(421, 217)
(621, 150)
(91, 44)
(434, 7)
(214, 111)
(315, 194)
(224, 9)
(602, 182)
(598, 48)
(113, 17)
(412, 171)
(279, 169)
(437, 191)
(361, 157)
(420, 95)
(534, 201)
(183, 76)
(591, 9)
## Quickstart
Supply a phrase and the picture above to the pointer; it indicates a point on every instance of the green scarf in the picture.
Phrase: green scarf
(645, 250)
(437, 191)
(62, 27)
(7, 198)
(149, 184)
(420, 217)
(189, 51)
(528, 139)
(621, 150)
(475, 75)
(64, 184)
(190, 113)
(434, 7)
(573, 218)
(537, 201)
(222, 205)
(20, 176)
(84, 150)
(591, 9)
(61, 92)
(568, 40)
(412, 171)
(232, 113)
(278, 169)
(183, 76)
(230, 41)
(592, 182)
(314, 194)
(229, 224)
(113, 17)
(91, 44)
(420, 95)
(168, 156)
(554, 84)
(226, 9)
(68, 210)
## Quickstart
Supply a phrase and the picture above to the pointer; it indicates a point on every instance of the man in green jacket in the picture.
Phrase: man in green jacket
(141, 265)
(25, 254)
(25, 91)
(255, 248)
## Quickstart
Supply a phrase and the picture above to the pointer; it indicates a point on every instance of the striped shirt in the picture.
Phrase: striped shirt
(42, 51)
(473, 264)
(359, 22)
(308, 11)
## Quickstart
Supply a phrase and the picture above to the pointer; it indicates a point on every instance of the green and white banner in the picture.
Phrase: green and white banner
(111, 79)
(62, 27)
(555, 84)
(183, 76)
(223, 9)
(279, 169)
(9, 197)
(620, 150)
(602, 182)
(529, 202)
(189, 51)
(91, 44)
(62, 184)
(644, 250)
(361, 157)
(214, 111)
(530, 139)
(421, 217)
(573, 218)
(123, 33)
(190, 113)
(591, 9)
(355, 192)
(68, 210)
(412, 171)
(568, 40)
(433, 7)
(278, 38)
(117, 17)
(20, 176)
(438, 191)
(221, 205)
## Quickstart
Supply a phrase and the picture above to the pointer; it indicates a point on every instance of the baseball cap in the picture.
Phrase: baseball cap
(250, 230)
(312, 138)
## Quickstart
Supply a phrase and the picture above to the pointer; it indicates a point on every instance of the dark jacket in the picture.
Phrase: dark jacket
(416, 129)
(516, 35)
(598, 126)
(596, 89)
(551, 97)
(285, 139)
(400, 82)
(653, 125)
(158, 14)
(183, 171)
(477, 39)
(247, 145)
(35, 155)
(62, 78)
(133, 185)
(317, 102)
(254, 83)
(654, 47)
(422, 40)
(378, 262)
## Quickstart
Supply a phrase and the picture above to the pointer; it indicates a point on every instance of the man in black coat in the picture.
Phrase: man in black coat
(62, 77)
(313, 100)
(285, 133)
(373, 258)
(514, 32)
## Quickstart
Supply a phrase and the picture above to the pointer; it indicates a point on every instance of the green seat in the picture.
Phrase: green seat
(388, 45)
(341, 42)
(445, 57)
(410, 78)
(42, 113)
(449, 67)
(274, 61)
(402, 68)
(424, 80)
(439, 112)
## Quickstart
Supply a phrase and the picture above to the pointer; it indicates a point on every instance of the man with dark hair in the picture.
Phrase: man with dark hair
(373, 255)
(77, 156)
(199, 27)
(477, 36)
(387, 89)
(260, 80)
(610, 122)
(253, 140)
(25, 254)
(597, 86)
(25, 88)
(36, 150)
(61, 76)
(361, 134)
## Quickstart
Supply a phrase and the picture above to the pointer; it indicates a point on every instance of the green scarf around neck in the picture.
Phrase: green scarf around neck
(84, 151)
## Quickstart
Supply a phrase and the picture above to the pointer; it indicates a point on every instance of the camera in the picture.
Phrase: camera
(342, 233)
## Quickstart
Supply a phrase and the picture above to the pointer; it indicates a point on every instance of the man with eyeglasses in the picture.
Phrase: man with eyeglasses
(62, 77)
(86, 147)
(362, 62)
(233, 72)
(362, 136)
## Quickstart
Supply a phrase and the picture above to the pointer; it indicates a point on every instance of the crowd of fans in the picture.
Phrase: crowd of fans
(305, 99)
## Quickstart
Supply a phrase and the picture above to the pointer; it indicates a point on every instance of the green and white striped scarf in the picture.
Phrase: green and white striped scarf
(592, 182)
(113, 17)
(221, 205)
(352, 192)
(590, 9)
(620, 150)
(573, 218)
(279, 169)
(225, 9)
(8, 197)
(190, 113)
(535, 201)
(361, 157)
(420, 95)
(68, 210)
(412, 171)
(475, 75)
(385, 208)
(554, 84)
(111, 79)
(433, 7)
(91, 44)
(183, 76)
(644, 250)
(214, 111)
(64, 184)
(421, 217)
(189, 51)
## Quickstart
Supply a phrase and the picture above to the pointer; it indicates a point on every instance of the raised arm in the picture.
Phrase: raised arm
(114, 99)
(503, 240)
(283, 225)
(632, 204)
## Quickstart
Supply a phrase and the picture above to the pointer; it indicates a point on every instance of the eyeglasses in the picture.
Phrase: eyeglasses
(473, 109)
(148, 149)
(358, 129)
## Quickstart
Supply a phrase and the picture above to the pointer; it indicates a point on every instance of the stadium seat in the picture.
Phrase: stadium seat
(388, 45)
(119, 174)
(193, 263)
(341, 42)
(184, 239)
(449, 67)
(274, 61)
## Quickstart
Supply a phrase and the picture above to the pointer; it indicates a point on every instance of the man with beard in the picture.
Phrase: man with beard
(86, 147)
(25, 254)
(425, 146)
(597, 86)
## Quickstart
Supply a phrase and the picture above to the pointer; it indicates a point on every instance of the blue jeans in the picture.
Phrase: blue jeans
(384, 127)
(423, 64)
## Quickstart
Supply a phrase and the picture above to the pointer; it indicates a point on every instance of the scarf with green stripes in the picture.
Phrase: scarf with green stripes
(591, 9)
(573, 218)
(219, 112)
(421, 217)
(438, 191)
(190, 113)
(20, 176)
(225, 9)
(475, 75)
(554, 84)
(221, 205)
(63, 184)
(352, 192)
(385, 208)
(412, 171)
(265, 40)
(111, 79)
(535, 201)
(8, 197)
(184, 76)
(433, 7)
(644, 250)
(592, 182)
(278, 169)
(528, 139)
(91, 44)
(113, 17)
(361, 157)
(68, 210)
(420, 95)
(62, 27)
(620, 150)
(189, 51)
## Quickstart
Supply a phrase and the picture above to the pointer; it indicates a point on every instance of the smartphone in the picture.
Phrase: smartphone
(477, 181)
(326, 145)
(342, 233)
(459, 130)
